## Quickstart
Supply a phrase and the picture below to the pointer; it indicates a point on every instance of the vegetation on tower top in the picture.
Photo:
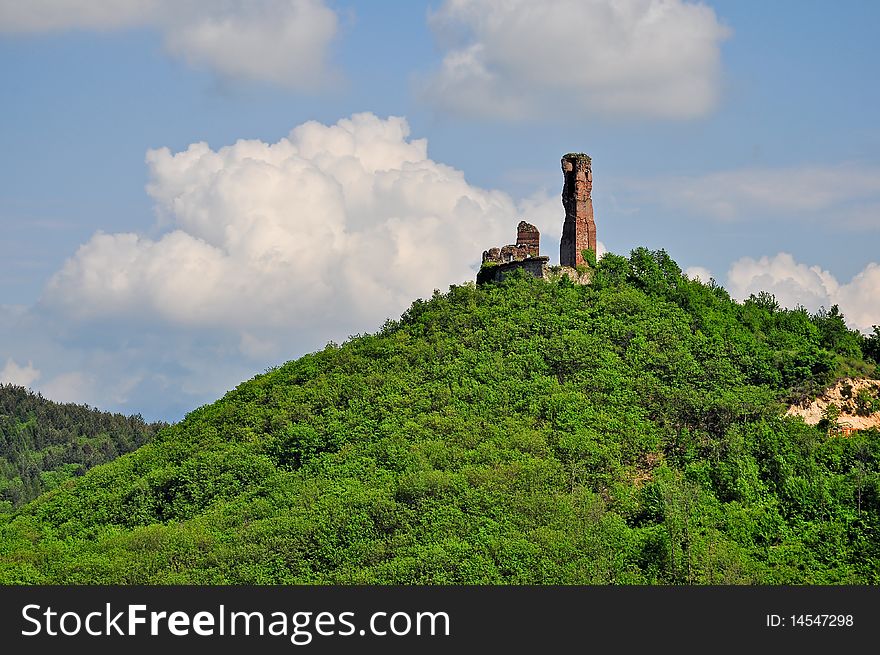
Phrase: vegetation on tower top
(578, 156)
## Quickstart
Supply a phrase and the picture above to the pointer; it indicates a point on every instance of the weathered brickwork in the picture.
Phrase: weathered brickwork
(579, 229)
(527, 245)
(528, 235)
(578, 234)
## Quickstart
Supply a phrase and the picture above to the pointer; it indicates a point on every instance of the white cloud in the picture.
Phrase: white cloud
(14, 373)
(519, 59)
(72, 387)
(700, 273)
(264, 251)
(339, 225)
(278, 41)
(160, 371)
(50, 15)
(851, 192)
(860, 297)
(795, 284)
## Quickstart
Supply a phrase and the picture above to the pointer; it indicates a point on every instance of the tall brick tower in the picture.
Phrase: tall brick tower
(579, 229)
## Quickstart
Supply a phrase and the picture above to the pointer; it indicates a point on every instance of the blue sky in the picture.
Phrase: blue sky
(141, 273)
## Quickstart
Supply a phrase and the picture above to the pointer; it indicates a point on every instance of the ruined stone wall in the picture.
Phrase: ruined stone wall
(527, 245)
(534, 266)
(506, 254)
(579, 229)
(527, 235)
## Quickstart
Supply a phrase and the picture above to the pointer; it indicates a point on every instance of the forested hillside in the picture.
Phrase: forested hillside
(629, 431)
(44, 443)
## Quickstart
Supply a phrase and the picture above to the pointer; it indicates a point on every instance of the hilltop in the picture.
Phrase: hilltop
(627, 431)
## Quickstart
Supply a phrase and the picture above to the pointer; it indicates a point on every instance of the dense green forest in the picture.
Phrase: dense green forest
(44, 443)
(628, 431)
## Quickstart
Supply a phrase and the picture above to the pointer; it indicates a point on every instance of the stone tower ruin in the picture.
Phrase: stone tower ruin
(524, 255)
(527, 235)
(579, 229)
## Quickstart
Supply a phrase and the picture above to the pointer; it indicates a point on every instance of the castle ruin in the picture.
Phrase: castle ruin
(578, 233)
(579, 229)
(527, 245)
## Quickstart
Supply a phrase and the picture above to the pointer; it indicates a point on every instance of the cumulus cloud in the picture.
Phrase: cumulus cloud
(520, 59)
(264, 251)
(72, 387)
(13, 373)
(333, 225)
(700, 273)
(278, 41)
(851, 191)
(794, 284)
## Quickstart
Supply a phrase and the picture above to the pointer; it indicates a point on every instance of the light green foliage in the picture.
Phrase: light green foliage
(867, 401)
(589, 257)
(624, 432)
(831, 414)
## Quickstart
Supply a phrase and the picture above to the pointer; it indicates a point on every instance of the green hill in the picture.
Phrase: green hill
(44, 443)
(629, 431)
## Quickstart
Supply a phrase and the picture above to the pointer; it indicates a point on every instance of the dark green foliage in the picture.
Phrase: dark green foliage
(43, 443)
(867, 402)
(871, 345)
(834, 334)
(624, 432)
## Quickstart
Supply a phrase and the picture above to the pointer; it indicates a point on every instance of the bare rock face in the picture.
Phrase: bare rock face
(850, 397)
(579, 229)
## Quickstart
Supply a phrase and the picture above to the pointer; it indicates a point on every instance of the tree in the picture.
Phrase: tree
(871, 345)
(831, 413)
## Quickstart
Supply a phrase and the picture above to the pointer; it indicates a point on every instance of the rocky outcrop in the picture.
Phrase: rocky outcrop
(855, 401)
